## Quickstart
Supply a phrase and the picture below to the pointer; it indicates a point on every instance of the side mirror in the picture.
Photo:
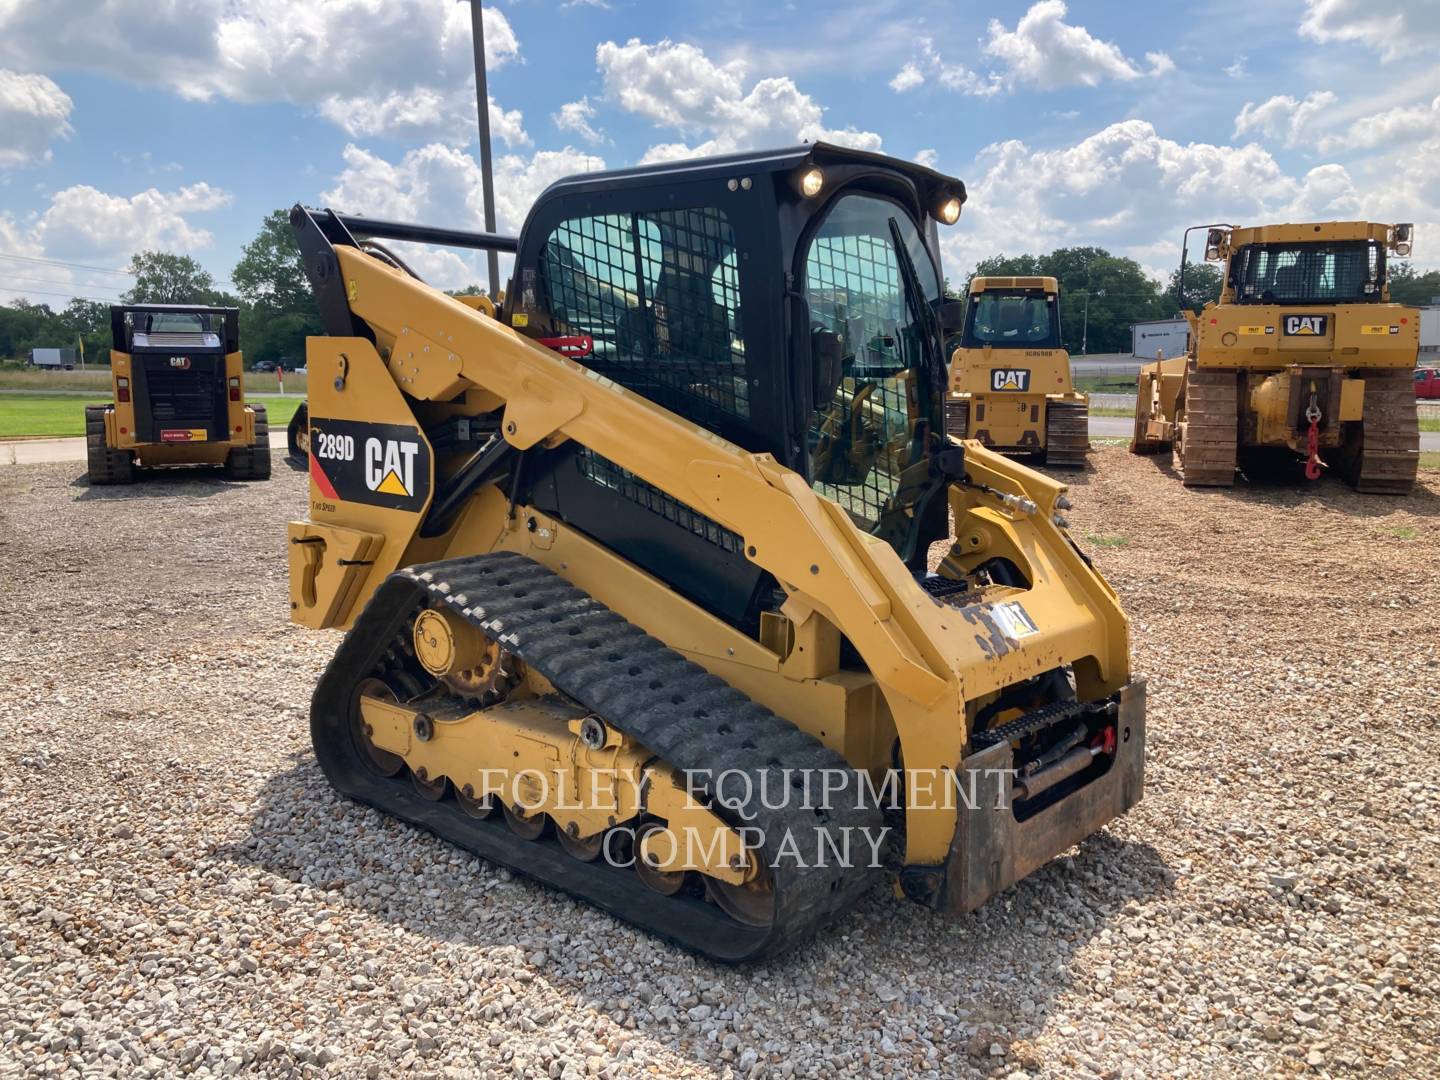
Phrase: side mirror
(952, 316)
(827, 364)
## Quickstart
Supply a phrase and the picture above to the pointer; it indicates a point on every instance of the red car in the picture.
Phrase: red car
(1427, 382)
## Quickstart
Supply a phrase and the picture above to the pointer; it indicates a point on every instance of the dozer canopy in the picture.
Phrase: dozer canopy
(1012, 313)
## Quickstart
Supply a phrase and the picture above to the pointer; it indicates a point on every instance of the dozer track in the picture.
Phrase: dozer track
(1382, 456)
(102, 464)
(1067, 434)
(1209, 429)
(687, 717)
(957, 418)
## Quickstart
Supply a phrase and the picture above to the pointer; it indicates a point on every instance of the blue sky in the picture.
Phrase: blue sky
(127, 124)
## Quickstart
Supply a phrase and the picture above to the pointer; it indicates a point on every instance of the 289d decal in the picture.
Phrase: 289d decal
(385, 465)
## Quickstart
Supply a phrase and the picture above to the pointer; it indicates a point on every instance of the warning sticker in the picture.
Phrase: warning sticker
(183, 435)
(1014, 621)
(1380, 331)
(1255, 331)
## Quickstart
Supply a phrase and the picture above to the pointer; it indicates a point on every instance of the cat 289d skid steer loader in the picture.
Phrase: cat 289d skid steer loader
(637, 570)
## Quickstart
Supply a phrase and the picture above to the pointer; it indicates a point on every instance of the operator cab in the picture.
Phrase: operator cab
(177, 372)
(788, 301)
(1012, 317)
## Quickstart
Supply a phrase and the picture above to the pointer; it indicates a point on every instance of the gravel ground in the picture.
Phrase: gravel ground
(180, 891)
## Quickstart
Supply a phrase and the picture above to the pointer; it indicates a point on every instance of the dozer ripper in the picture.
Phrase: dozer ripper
(636, 569)
(1304, 358)
(1010, 382)
(178, 383)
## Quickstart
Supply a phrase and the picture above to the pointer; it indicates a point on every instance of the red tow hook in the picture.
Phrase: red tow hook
(1104, 743)
(1312, 443)
(573, 347)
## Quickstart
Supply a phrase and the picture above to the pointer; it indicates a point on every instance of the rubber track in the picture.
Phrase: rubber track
(1067, 434)
(1385, 457)
(957, 418)
(1207, 445)
(252, 462)
(687, 717)
(104, 465)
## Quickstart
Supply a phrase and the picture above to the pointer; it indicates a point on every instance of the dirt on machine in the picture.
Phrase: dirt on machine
(634, 567)
(178, 384)
(1010, 385)
(1303, 363)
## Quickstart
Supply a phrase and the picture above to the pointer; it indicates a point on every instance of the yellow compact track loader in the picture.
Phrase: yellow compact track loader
(179, 397)
(1304, 358)
(1010, 382)
(636, 570)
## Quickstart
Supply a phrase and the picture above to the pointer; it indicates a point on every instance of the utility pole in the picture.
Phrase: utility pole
(1085, 325)
(482, 109)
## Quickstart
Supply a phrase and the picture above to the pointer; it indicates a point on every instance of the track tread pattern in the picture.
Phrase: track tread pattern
(957, 417)
(1067, 433)
(1209, 428)
(1382, 456)
(688, 717)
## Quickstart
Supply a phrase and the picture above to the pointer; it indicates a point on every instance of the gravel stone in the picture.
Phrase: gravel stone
(181, 891)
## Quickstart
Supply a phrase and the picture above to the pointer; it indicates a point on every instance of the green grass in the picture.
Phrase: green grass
(31, 415)
(1430, 459)
(1106, 384)
(1429, 424)
(1110, 410)
(98, 380)
(1403, 532)
(1115, 541)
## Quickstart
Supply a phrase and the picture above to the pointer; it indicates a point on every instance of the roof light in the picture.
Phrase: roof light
(949, 211)
(811, 181)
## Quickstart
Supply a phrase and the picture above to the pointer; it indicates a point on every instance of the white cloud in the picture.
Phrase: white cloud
(1130, 190)
(424, 114)
(1391, 128)
(86, 225)
(676, 86)
(927, 157)
(907, 78)
(576, 116)
(1283, 117)
(440, 184)
(353, 60)
(34, 112)
(930, 66)
(1392, 27)
(1046, 52)
(1238, 70)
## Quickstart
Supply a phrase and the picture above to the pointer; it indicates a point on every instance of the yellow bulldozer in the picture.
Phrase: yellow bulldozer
(636, 570)
(1303, 359)
(178, 385)
(1010, 382)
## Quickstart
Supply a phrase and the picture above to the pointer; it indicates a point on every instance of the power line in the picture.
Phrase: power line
(46, 281)
(82, 266)
(58, 262)
(25, 294)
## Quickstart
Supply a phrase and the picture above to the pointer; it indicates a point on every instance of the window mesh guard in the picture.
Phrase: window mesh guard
(1311, 272)
(859, 440)
(659, 294)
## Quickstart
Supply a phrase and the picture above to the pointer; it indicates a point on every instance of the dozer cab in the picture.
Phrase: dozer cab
(636, 569)
(1303, 359)
(1010, 382)
(178, 383)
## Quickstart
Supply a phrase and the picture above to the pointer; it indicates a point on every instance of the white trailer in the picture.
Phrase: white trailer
(55, 359)
(1430, 333)
(1162, 339)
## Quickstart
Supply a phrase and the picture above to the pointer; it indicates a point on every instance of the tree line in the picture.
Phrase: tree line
(277, 308)
(1101, 296)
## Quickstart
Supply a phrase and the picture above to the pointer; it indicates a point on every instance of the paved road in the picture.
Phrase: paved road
(38, 451)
